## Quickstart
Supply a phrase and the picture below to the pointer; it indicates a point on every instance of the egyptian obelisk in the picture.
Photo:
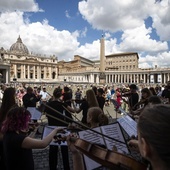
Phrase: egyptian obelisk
(102, 76)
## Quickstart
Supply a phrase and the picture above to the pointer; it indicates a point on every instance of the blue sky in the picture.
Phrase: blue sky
(74, 27)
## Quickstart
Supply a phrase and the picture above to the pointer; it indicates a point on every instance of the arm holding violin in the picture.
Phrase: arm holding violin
(31, 143)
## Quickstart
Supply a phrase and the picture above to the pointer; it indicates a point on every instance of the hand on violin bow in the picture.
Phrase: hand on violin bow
(60, 135)
(70, 143)
(77, 155)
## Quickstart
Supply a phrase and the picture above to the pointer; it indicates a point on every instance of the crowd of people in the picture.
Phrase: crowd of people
(148, 106)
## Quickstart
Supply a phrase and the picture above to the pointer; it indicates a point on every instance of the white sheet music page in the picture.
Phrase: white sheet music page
(35, 114)
(129, 125)
(114, 131)
(49, 129)
(94, 138)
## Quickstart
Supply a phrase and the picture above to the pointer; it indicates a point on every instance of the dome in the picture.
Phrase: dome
(19, 47)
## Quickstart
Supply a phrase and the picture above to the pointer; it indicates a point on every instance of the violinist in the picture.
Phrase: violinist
(91, 101)
(100, 98)
(133, 97)
(95, 118)
(146, 94)
(17, 146)
(58, 104)
(153, 136)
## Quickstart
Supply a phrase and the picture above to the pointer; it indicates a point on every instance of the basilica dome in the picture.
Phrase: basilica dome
(19, 47)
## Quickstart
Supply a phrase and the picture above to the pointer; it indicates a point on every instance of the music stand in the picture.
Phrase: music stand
(116, 105)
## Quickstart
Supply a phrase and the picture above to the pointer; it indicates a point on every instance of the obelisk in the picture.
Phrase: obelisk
(102, 76)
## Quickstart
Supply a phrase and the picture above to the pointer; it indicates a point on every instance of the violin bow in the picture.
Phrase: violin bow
(71, 113)
(80, 124)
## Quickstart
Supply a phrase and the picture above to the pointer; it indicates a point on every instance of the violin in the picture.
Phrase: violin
(108, 158)
(141, 102)
(33, 127)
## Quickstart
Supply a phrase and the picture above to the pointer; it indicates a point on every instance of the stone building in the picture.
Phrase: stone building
(18, 64)
(26, 67)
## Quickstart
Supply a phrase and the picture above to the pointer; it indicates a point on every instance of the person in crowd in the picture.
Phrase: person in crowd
(166, 93)
(67, 96)
(78, 96)
(8, 101)
(154, 100)
(118, 99)
(153, 126)
(153, 91)
(108, 96)
(100, 98)
(112, 92)
(94, 88)
(30, 99)
(44, 95)
(2, 89)
(17, 145)
(133, 97)
(58, 105)
(146, 94)
(20, 95)
(96, 117)
(90, 101)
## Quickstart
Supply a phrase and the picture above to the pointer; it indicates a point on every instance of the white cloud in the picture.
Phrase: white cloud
(114, 15)
(67, 14)
(129, 17)
(40, 38)
(161, 59)
(125, 16)
(138, 39)
(83, 32)
(21, 5)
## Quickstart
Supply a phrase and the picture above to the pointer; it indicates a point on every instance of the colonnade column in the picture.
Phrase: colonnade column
(24, 71)
(34, 72)
(28, 72)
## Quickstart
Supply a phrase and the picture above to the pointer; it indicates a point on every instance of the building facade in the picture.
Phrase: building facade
(26, 67)
(17, 64)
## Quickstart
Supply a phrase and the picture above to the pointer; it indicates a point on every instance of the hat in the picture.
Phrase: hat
(100, 90)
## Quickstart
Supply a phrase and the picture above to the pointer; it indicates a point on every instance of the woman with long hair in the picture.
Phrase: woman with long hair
(90, 101)
(17, 145)
(8, 101)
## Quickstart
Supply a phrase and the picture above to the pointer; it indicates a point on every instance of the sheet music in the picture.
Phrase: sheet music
(111, 130)
(94, 138)
(129, 125)
(35, 114)
(114, 131)
(49, 129)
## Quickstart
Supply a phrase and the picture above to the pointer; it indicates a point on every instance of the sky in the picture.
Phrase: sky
(74, 27)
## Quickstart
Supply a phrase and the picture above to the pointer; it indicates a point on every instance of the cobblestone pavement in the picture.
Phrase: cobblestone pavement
(41, 155)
